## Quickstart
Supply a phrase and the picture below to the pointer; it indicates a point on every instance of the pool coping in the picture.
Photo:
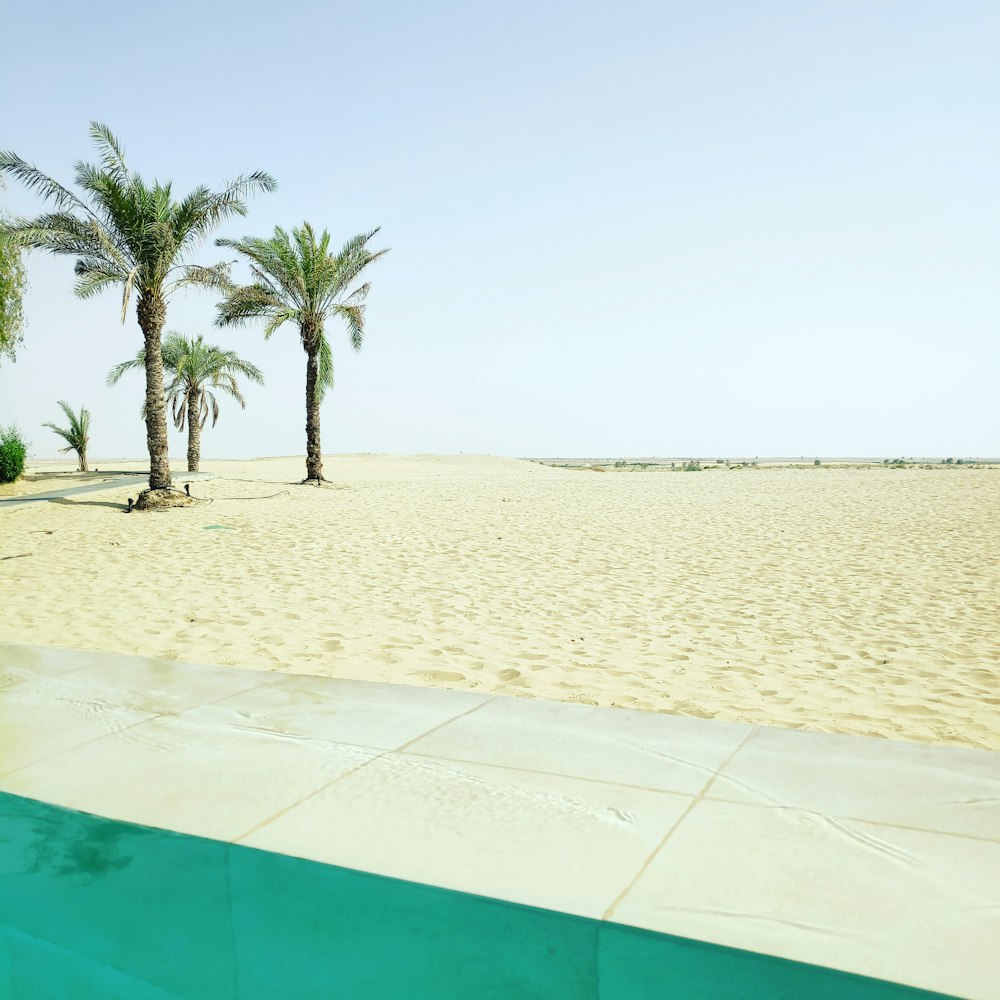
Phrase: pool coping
(874, 857)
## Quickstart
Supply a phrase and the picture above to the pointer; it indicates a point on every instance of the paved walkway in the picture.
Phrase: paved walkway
(865, 855)
(126, 479)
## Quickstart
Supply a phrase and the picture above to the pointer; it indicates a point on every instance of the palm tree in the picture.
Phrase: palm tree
(195, 369)
(135, 235)
(76, 435)
(298, 280)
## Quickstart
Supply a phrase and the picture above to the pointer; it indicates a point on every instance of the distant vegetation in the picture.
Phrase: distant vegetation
(13, 452)
(698, 465)
(13, 284)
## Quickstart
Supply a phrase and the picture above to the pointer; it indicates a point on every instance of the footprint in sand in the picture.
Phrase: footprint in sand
(439, 675)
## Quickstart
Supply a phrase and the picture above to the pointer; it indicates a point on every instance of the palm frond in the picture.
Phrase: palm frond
(179, 407)
(216, 208)
(354, 319)
(209, 401)
(34, 180)
(110, 149)
(249, 302)
(121, 228)
(240, 367)
(324, 381)
(33, 234)
(137, 363)
(216, 277)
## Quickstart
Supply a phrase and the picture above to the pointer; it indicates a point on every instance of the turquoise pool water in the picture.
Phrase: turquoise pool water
(91, 908)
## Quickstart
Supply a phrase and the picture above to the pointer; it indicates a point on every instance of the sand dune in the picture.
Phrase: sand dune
(849, 600)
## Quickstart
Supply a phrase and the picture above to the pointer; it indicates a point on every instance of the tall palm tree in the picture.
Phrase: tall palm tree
(298, 280)
(195, 369)
(135, 235)
(76, 435)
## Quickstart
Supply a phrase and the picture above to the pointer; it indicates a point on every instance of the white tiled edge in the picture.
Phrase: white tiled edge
(705, 811)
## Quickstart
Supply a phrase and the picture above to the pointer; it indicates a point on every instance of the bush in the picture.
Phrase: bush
(13, 452)
(816, 461)
(692, 467)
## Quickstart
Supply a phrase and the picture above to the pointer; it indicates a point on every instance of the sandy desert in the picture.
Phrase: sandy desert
(852, 600)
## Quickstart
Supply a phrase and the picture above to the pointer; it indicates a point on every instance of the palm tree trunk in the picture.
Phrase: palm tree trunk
(83, 460)
(194, 429)
(152, 314)
(314, 459)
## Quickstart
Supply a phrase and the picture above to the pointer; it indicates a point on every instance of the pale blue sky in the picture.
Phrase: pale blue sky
(641, 228)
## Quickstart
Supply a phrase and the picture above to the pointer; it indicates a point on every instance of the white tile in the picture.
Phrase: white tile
(157, 687)
(24, 663)
(903, 905)
(34, 726)
(344, 711)
(949, 789)
(665, 752)
(549, 841)
(214, 781)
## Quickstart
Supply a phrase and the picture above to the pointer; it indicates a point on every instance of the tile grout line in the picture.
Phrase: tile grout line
(441, 725)
(547, 774)
(915, 829)
(609, 912)
(305, 798)
(4, 688)
(840, 817)
(703, 794)
(150, 717)
(347, 774)
(74, 746)
(215, 701)
(48, 677)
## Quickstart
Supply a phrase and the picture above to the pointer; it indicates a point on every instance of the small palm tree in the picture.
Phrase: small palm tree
(195, 369)
(298, 280)
(128, 233)
(76, 435)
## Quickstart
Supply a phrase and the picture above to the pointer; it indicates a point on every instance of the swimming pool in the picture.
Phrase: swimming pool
(93, 908)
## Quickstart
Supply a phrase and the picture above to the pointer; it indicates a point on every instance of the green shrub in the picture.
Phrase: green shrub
(13, 452)
(693, 467)
(816, 461)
